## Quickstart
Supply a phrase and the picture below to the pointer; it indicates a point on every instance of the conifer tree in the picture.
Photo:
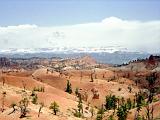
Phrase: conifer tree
(69, 87)
(111, 102)
(54, 107)
(79, 111)
(122, 112)
(151, 86)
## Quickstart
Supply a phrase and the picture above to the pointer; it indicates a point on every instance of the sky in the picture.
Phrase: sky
(66, 12)
(132, 24)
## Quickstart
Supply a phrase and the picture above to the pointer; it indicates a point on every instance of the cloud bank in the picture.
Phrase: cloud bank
(112, 31)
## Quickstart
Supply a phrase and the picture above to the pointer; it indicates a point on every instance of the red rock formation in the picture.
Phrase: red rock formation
(95, 93)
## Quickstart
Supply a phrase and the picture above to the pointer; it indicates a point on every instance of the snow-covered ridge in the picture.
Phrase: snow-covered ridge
(109, 49)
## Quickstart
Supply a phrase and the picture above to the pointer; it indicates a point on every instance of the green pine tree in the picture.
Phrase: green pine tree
(69, 87)
(54, 107)
(122, 112)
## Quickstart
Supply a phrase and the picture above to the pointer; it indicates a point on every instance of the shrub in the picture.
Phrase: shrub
(129, 103)
(92, 111)
(34, 99)
(13, 105)
(100, 113)
(33, 93)
(40, 108)
(99, 117)
(78, 114)
(38, 89)
(110, 117)
(23, 104)
(77, 91)
(119, 89)
(130, 89)
(3, 100)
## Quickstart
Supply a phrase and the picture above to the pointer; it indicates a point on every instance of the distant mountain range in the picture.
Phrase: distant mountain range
(108, 49)
(110, 55)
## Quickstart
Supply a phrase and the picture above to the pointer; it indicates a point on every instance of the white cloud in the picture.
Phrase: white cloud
(134, 35)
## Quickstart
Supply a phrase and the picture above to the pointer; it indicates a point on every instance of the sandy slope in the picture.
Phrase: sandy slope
(55, 85)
